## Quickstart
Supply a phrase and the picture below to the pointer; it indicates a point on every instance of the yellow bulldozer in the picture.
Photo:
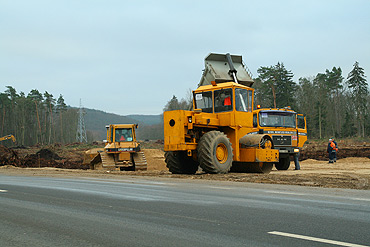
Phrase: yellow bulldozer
(121, 152)
(218, 134)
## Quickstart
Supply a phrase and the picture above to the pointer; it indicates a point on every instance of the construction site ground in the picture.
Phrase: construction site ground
(352, 169)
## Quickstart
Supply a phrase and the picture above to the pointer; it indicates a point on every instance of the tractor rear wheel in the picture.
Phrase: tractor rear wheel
(283, 164)
(178, 162)
(215, 153)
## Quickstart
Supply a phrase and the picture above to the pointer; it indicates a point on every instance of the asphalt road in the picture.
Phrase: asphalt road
(40, 211)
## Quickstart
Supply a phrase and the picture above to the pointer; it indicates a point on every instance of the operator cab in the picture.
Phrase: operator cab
(223, 98)
(120, 133)
(276, 118)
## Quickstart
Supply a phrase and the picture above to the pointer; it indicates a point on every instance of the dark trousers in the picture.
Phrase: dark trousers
(332, 156)
(296, 162)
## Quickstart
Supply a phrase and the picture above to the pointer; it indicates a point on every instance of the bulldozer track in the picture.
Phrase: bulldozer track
(107, 160)
(140, 161)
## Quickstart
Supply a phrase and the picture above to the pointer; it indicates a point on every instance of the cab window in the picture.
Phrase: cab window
(111, 135)
(223, 100)
(301, 123)
(123, 135)
(250, 97)
(204, 101)
(243, 99)
(255, 120)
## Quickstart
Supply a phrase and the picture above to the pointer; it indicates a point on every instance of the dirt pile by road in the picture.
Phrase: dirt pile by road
(8, 157)
(44, 157)
(317, 150)
(155, 159)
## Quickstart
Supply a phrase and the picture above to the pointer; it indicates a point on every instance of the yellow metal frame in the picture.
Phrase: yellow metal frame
(180, 128)
(235, 124)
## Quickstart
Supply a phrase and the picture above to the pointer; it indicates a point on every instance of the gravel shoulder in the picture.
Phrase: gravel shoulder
(350, 173)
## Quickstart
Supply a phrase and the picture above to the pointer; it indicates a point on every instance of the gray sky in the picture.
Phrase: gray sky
(130, 57)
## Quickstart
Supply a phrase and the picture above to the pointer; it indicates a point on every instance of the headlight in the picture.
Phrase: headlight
(189, 119)
(296, 150)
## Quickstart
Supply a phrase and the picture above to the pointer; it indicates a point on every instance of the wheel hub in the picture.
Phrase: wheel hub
(221, 153)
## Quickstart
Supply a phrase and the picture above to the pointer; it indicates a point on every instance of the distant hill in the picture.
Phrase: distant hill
(150, 126)
(147, 119)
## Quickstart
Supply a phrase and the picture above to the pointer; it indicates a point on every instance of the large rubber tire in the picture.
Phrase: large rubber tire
(178, 162)
(215, 153)
(283, 164)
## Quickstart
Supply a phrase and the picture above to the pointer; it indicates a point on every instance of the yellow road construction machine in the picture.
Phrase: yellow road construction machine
(8, 137)
(287, 129)
(121, 152)
(218, 134)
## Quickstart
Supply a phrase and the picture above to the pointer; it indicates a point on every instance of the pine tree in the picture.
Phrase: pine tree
(278, 83)
(305, 102)
(49, 103)
(334, 80)
(36, 97)
(358, 85)
(175, 104)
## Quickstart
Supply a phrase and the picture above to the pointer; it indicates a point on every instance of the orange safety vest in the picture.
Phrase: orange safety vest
(227, 101)
(332, 145)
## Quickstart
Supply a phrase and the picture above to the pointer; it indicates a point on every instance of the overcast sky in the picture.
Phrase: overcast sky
(130, 57)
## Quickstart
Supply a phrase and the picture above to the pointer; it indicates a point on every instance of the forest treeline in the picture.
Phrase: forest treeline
(335, 105)
(39, 118)
(36, 117)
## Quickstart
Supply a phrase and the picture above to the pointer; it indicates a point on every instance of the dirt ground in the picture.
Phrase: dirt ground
(348, 172)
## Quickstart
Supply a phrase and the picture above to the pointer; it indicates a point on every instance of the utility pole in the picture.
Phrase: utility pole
(81, 130)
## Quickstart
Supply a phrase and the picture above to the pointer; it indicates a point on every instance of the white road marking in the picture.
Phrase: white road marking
(359, 199)
(3, 191)
(132, 181)
(285, 193)
(304, 194)
(322, 240)
(220, 188)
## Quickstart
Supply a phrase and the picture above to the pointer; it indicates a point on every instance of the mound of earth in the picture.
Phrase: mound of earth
(45, 157)
(347, 148)
(8, 156)
(155, 160)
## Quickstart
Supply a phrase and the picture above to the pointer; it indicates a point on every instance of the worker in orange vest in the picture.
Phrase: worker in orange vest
(336, 150)
(332, 150)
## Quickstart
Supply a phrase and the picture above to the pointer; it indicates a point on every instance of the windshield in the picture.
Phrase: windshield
(277, 119)
(123, 135)
(203, 101)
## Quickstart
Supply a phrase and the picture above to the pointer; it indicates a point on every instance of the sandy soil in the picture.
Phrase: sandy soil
(351, 173)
